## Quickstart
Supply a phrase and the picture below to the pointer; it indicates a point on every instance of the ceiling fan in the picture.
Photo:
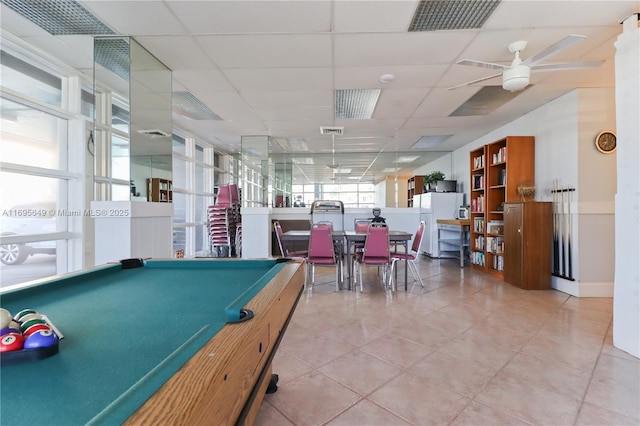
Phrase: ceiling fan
(516, 76)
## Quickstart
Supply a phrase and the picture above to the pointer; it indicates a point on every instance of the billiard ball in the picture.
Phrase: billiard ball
(24, 312)
(27, 324)
(5, 318)
(11, 342)
(8, 330)
(14, 324)
(40, 339)
(36, 327)
(29, 317)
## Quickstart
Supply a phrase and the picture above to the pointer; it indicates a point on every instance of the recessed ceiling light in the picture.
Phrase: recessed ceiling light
(391, 169)
(430, 141)
(387, 78)
(407, 159)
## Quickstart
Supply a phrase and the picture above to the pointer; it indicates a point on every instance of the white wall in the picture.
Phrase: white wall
(564, 130)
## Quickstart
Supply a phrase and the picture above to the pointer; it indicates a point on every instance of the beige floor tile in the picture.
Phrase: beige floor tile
(551, 374)
(567, 352)
(312, 399)
(452, 374)
(288, 367)
(591, 415)
(418, 401)
(486, 333)
(316, 350)
(616, 386)
(396, 350)
(360, 372)
(478, 414)
(269, 416)
(369, 414)
(489, 356)
(533, 404)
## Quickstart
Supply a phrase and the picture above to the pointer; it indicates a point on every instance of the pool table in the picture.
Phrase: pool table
(153, 342)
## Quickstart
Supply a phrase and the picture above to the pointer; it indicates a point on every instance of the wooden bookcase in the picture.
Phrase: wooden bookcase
(415, 186)
(159, 190)
(497, 170)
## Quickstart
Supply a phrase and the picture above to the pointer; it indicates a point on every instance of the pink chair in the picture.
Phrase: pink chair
(283, 245)
(321, 252)
(376, 253)
(413, 255)
(233, 192)
(223, 197)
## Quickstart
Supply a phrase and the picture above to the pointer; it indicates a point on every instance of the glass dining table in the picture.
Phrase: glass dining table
(345, 240)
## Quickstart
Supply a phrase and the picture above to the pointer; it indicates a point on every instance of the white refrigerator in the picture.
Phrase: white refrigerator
(434, 206)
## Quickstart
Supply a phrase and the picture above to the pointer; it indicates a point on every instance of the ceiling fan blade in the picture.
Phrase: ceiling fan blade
(481, 64)
(567, 66)
(468, 83)
(554, 48)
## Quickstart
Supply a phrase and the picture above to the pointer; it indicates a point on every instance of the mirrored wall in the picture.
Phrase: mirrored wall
(132, 123)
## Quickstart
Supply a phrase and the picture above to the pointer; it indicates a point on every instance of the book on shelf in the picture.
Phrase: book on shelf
(478, 162)
(478, 181)
(477, 258)
(500, 156)
(502, 177)
(495, 245)
(479, 242)
(477, 204)
(478, 224)
(498, 263)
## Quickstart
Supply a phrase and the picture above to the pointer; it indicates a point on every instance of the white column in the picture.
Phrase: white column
(626, 299)
(256, 232)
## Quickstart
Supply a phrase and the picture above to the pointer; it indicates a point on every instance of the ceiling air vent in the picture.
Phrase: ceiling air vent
(154, 133)
(433, 15)
(331, 130)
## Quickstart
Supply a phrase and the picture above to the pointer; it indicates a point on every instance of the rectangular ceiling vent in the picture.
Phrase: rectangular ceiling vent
(485, 101)
(59, 17)
(332, 131)
(356, 104)
(154, 133)
(432, 15)
(190, 107)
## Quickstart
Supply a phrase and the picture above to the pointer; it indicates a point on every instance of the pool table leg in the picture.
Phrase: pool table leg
(273, 384)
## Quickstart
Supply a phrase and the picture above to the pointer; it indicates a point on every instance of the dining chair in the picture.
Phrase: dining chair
(376, 253)
(322, 252)
(412, 256)
(282, 244)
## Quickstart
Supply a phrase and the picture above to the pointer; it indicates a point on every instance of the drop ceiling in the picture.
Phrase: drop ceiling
(273, 68)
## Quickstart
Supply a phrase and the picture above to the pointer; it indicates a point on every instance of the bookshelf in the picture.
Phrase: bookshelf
(415, 186)
(496, 170)
(159, 190)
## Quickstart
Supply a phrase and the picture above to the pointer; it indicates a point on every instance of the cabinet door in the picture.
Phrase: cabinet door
(513, 244)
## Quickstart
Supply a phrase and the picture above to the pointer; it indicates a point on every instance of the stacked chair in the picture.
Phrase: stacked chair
(225, 223)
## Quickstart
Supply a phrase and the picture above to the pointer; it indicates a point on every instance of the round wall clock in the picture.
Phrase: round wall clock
(606, 141)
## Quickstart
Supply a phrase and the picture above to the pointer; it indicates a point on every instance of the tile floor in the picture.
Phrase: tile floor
(468, 349)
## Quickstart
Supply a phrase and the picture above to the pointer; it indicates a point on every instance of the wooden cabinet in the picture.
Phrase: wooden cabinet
(415, 186)
(497, 170)
(527, 243)
(159, 190)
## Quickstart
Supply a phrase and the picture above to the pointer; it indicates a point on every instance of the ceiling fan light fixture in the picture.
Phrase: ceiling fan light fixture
(516, 78)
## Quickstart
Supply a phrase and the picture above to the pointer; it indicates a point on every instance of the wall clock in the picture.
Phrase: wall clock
(606, 141)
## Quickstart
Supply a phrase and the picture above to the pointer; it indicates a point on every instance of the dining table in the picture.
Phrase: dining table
(349, 239)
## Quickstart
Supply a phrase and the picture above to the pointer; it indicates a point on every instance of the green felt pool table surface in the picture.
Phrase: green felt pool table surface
(126, 331)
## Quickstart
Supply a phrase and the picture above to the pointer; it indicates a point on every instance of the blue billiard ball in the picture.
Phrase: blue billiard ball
(41, 339)
(8, 330)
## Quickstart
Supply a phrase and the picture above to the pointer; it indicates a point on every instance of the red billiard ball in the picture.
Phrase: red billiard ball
(41, 339)
(36, 327)
(11, 342)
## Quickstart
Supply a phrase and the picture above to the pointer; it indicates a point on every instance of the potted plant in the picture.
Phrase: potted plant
(431, 179)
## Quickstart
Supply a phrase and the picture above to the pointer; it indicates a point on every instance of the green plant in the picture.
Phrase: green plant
(433, 177)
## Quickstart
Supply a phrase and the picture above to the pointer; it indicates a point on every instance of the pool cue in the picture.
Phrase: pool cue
(569, 233)
(564, 262)
(556, 241)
